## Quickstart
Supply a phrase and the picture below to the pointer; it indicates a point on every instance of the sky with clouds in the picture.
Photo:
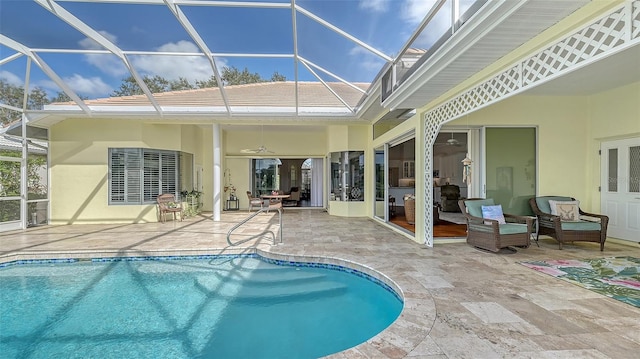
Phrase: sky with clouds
(385, 25)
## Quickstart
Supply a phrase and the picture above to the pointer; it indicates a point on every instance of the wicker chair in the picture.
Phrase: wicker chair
(489, 234)
(254, 201)
(590, 228)
(167, 204)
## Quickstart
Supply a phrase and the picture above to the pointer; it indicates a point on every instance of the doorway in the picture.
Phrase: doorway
(510, 170)
(395, 181)
(620, 190)
(301, 178)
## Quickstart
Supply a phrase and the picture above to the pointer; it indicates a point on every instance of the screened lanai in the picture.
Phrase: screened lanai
(215, 78)
(194, 59)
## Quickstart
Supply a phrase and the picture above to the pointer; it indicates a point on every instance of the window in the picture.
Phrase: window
(139, 175)
(347, 176)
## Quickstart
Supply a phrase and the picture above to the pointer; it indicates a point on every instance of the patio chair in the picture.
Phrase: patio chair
(167, 204)
(294, 197)
(254, 201)
(493, 233)
(450, 195)
(564, 226)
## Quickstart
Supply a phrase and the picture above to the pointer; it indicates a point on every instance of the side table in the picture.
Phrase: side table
(233, 204)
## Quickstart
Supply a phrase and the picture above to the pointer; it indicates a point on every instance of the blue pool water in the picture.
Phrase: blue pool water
(239, 307)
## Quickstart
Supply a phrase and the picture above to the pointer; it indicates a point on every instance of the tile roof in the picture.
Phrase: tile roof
(264, 94)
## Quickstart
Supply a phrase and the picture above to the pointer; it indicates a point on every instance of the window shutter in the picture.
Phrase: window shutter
(138, 176)
(116, 175)
(133, 175)
(169, 166)
(151, 175)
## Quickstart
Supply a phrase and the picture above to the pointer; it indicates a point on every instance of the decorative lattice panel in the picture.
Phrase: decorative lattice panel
(598, 39)
(635, 22)
(431, 130)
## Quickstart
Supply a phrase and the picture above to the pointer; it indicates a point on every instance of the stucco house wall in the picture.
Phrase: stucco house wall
(79, 166)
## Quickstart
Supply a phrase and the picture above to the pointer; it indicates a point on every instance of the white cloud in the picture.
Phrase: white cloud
(109, 64)
(92, 86)
(11, 78)
(172, 67)
(415, 10)
(366, 60)
(91, 44)
(378, 6)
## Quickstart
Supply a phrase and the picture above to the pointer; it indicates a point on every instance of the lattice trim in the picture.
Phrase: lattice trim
(600, 37)
(431, 130)
(635, 20)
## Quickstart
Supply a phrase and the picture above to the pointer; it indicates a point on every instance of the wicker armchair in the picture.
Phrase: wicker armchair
(254, 201)
(167, 204)
(489, 234)
(590, 228)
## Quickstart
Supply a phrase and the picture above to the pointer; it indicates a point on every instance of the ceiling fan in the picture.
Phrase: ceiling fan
(260, 149)
(449, 142)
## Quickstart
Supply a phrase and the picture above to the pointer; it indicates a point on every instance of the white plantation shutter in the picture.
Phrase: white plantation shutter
(138, 176)
(151, 175)
(117, 175)
(133, 176)
(169, 178)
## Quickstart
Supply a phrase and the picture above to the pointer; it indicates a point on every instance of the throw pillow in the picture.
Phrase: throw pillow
(493, 212)
(569, 211)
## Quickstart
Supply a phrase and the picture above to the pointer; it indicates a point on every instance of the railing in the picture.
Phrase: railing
(266, 209)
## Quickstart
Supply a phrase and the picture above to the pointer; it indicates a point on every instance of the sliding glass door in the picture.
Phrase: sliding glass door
(510, 172)
(380, 194)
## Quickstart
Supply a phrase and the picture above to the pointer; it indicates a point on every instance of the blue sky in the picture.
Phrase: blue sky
(382, 24)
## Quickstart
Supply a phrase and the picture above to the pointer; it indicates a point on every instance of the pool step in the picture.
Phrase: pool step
(269, 277)
(299, 291)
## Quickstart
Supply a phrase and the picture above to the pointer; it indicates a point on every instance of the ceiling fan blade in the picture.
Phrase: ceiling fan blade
(260, 149)
(250, 150)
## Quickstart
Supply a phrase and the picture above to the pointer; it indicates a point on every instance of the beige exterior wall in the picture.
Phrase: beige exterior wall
(613, 114)
(79, 166)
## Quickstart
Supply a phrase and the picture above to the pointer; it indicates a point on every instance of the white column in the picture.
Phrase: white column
(217, 171)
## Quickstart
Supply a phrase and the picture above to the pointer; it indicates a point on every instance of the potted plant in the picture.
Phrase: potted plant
(194, 204)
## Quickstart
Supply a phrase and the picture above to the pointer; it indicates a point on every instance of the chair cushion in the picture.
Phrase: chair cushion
(567, 210)
(543, 202)
(474, 208)
(580, 226)
(493, 212)
(507, 228)
(513, 228)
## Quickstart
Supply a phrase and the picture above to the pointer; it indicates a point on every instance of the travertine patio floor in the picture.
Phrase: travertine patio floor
(459, 302)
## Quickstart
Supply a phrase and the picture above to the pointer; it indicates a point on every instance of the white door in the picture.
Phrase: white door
(620, 193)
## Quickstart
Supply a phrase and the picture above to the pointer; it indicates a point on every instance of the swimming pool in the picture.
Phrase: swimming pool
(240, 306)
